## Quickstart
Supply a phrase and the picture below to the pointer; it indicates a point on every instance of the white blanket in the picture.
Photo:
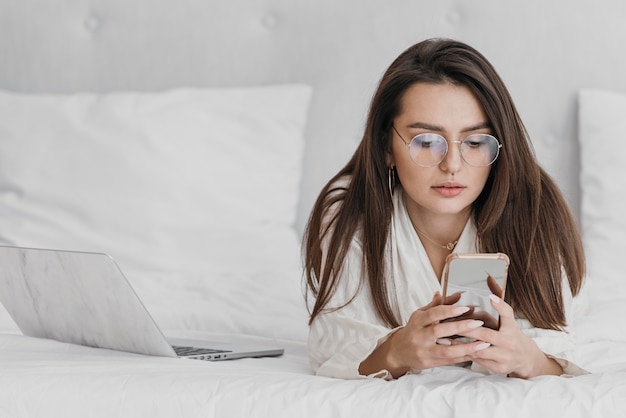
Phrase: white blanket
(43, 378)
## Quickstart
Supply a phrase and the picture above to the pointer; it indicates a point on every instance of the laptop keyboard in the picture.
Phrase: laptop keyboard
(192, 351)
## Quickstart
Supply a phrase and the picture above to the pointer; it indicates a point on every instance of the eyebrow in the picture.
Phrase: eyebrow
(435, 128)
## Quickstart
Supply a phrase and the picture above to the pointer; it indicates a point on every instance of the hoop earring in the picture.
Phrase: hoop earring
(391, 179)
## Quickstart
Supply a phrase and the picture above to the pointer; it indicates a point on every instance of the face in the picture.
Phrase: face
(450, 188)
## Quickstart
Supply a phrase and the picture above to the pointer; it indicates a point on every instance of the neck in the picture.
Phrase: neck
(448, 246)
(437, 249)
(442, 229)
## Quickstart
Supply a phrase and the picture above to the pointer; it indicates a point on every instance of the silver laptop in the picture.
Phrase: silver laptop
(84, 298)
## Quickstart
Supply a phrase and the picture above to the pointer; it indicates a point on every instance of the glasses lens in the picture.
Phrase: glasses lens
(480, 150)
(427, 150)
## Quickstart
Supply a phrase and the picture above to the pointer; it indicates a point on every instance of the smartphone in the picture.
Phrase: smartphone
(476, 276)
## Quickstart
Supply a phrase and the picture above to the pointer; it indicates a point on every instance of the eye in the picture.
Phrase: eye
(428, 141)
(475, 141)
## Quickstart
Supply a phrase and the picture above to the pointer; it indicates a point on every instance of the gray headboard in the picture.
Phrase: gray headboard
(544, 50)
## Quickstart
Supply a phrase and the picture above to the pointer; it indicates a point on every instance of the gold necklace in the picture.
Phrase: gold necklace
(449, 246)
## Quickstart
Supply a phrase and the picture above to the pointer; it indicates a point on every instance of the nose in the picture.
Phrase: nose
(452, 161)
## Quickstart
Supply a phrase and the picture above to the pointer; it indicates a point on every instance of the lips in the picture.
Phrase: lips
(449, 188)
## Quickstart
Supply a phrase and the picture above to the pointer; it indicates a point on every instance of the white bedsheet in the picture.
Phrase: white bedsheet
(43, 378)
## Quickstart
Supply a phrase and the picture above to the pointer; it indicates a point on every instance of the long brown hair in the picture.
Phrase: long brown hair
(520, 211)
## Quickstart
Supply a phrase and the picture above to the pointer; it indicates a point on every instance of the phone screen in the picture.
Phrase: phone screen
(477, 276)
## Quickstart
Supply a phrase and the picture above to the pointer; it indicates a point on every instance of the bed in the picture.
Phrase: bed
(189, 140)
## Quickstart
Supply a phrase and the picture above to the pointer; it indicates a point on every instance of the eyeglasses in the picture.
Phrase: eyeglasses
(428, 150)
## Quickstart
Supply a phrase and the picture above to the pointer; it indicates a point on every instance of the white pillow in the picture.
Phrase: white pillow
(602, 125)
(193, 191)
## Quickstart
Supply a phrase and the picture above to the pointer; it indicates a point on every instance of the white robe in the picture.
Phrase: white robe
(340, 340)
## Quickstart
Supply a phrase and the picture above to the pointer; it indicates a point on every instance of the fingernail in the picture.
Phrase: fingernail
(444, 341)
(475, 324)
(482, 346)
(460, 310)
(494, 298)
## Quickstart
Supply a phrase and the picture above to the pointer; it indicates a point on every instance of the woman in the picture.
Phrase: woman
(416, 190)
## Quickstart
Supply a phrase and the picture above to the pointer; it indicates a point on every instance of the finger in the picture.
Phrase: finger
(504, 309)
(446, 361)
(493, 359)
(483, 333)
(435, 301)
(486, 317)
(460, 341)
(489, 364)
(447, 329)
(493, 355)
(494, 286)
(454, 341)
(422, 319)
(453, 298)
(470, 314)
(461, 351)
(444, 312)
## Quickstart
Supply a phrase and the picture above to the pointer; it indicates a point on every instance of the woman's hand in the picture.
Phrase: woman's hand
(511, 352)
(422, 343)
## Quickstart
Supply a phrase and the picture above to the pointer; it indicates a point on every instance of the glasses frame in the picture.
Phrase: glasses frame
(447, 142)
